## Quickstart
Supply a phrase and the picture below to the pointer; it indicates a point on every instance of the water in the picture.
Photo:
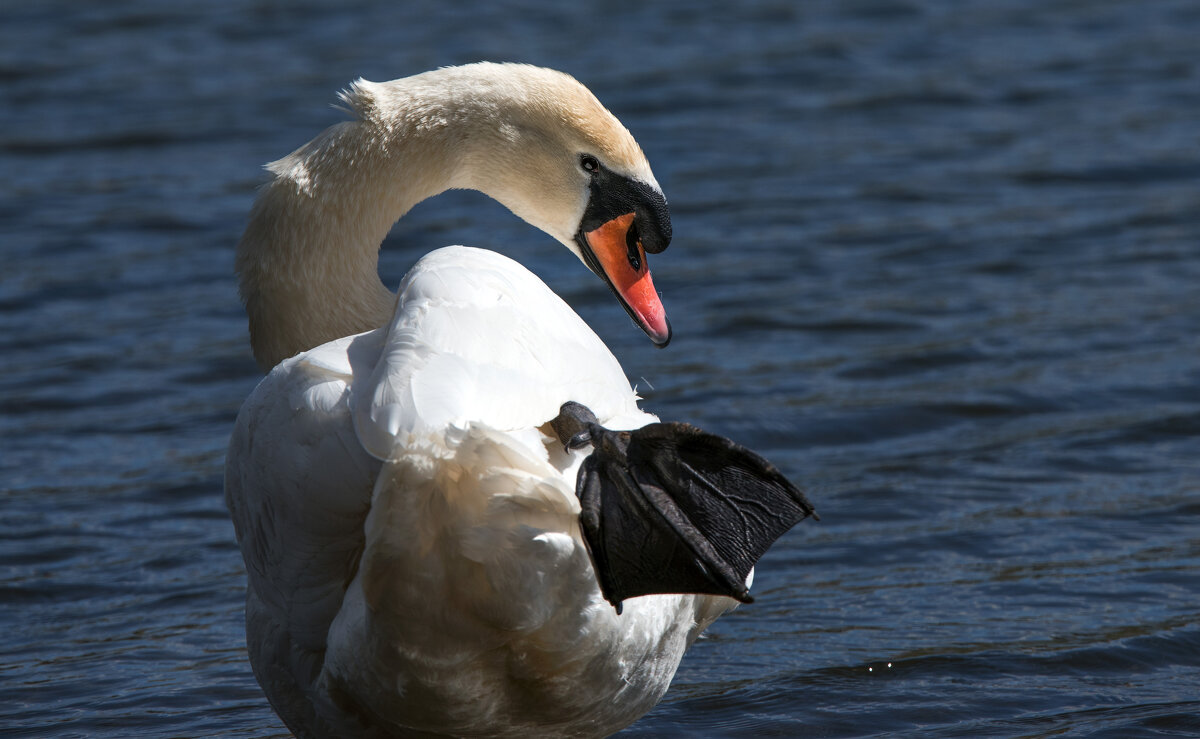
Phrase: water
(939, 261)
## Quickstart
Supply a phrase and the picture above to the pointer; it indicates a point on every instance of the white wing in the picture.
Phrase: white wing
(477, 338)
(298, 486)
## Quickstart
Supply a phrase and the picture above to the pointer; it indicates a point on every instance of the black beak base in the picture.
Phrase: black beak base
(669, 508)
(611, 195)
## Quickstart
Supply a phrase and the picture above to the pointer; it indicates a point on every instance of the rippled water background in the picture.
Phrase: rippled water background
(940, 261)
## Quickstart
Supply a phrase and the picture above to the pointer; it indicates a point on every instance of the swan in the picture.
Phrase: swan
(403, 481)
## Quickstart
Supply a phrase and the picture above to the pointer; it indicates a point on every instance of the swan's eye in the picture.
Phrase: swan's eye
(589, 163)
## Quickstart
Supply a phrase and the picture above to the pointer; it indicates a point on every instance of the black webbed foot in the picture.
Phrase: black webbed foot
(669, 508)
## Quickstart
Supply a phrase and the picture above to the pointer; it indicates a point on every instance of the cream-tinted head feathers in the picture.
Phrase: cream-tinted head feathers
(516, 131)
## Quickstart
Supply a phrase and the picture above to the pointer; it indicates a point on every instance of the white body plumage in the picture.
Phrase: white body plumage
(408, 521)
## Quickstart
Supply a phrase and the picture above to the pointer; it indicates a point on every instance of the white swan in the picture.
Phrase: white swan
(407, 517)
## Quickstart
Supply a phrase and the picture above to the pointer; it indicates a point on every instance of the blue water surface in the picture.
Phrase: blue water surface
(939, 261)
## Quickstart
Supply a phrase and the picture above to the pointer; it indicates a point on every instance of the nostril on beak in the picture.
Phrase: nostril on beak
(633, 244)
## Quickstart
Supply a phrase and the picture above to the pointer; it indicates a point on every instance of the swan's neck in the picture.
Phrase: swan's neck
(308, 261)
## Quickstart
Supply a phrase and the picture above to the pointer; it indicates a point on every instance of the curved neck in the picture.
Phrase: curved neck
(308, 261)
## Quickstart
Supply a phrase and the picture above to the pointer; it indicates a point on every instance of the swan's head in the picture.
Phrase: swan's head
(540, 143)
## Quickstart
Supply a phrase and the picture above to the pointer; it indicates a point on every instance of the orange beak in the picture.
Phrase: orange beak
(621, 259)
